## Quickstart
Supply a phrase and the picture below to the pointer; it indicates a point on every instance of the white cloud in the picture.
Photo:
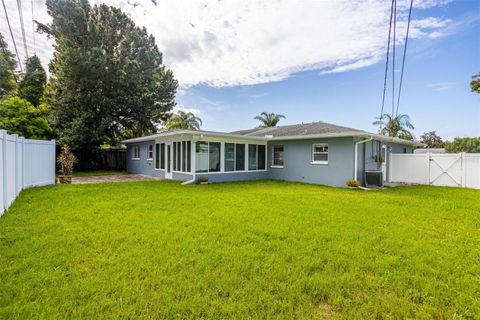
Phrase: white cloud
(441, 86)
(183, 108)
(227, 43)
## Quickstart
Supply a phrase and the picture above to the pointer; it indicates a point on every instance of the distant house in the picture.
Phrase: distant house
(429, 150)
(316, 152)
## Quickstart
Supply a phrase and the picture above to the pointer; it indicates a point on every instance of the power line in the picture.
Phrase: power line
(33, 31)
(386, 65)
(13, 38)
(22, 26)
(393, 53)
(404, 55)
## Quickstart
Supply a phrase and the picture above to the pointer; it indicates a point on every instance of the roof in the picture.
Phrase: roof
(289, 132)
(303, 129)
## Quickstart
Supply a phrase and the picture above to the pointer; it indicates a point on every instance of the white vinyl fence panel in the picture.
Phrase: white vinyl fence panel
(438, 169)
(23, 163)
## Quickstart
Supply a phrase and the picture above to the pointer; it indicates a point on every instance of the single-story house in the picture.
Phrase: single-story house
(317, 152)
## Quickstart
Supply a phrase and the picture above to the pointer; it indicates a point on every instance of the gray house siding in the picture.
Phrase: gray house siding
(235, 176)
(142, 166)
(298, 157)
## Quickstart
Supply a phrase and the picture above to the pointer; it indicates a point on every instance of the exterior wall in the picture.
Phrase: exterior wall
(235, 176)
(298, 156)
(142, 166)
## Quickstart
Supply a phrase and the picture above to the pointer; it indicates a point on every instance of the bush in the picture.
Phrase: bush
(353, 183)
(469, 145)
(203, 179)
(66, 160)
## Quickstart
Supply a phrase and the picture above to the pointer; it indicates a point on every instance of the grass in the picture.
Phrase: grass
(92, 173)
(156, 249)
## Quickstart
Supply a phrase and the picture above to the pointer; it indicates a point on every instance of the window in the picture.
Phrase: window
(201, 156)
(261, 157)
(179, 156)
(214, 157)
(184, 156)
(160, 156)
(229, 156)
(277, 156)
(320, 153)
(239, 157)
(174, 154)
(150, 152)
(136, 152)
(189, 156)
(252, 157)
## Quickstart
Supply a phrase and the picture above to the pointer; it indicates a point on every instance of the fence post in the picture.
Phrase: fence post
(429, 157)
(463, 163)
(23, 163)
(4, 168)
(54, 160)
(15, 160)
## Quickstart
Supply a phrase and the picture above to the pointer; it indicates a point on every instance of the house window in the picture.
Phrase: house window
(136, 152)
(214, 156)
(256, 157)
(160, 156)
(229, 156)
(174, 155)
(182, 156)
(252, 157)
(320, 153)
(239, 157)
(150, 152)
(277, 156)
(189, 156)
(201, 156)
(261, 157)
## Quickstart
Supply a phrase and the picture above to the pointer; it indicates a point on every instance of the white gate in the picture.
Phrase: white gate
(449, 169)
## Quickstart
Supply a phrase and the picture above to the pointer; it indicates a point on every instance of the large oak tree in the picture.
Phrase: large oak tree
(108, 80)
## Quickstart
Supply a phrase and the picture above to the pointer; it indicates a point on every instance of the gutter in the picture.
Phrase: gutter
(355, 165)
(194, 178)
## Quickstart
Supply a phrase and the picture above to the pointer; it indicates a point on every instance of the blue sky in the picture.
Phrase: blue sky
(436, 92)
(310, 60)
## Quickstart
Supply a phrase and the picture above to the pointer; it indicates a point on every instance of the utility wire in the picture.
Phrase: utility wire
(393, 56)
(22, 26)
(11, 34)
(404, 55)
(386, 64)
(33, 31)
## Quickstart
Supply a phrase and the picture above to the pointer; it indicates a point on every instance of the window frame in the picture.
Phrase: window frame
(134, 152)
(274, 165)
(319, 144)
(150, 152)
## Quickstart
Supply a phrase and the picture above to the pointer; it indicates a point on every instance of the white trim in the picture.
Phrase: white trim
(276, 167)
(355, 157)
(319, 162)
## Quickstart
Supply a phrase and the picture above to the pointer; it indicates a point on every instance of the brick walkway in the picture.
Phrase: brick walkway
(110, 178)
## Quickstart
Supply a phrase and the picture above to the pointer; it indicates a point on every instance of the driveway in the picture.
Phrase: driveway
(110, 178)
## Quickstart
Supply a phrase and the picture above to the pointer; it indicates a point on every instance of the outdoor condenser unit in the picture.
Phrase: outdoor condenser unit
(374, 178)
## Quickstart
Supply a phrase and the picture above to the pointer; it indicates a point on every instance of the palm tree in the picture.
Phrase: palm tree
(269, 119)
(397, 126)
(183, 120)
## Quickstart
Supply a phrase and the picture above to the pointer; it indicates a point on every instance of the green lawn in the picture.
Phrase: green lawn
(156, 249)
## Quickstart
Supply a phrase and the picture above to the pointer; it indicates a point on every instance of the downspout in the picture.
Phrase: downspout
(191, 180)
(356, 156)
(192, 165)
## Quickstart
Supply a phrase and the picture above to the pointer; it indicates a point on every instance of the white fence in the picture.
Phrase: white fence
(23, 163)
(441, 169)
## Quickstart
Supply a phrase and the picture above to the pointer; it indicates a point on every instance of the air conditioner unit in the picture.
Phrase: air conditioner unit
(374, 178)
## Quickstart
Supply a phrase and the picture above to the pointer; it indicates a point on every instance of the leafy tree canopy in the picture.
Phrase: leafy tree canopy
(475, 83)
(269, 119)
(469, 145)
(33, 82)
(18, 116)
(432, 140)
(109, 82)
(183, 120)
(398, 126)
(7, 66)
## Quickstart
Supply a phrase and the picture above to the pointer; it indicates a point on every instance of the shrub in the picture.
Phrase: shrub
(469, 145)
(353, 183)
(203, 179)
(66, 160)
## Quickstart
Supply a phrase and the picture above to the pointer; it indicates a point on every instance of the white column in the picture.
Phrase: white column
(193, 164)
(54, 151)
(15, 159)
(3, 136)
(222, 156)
